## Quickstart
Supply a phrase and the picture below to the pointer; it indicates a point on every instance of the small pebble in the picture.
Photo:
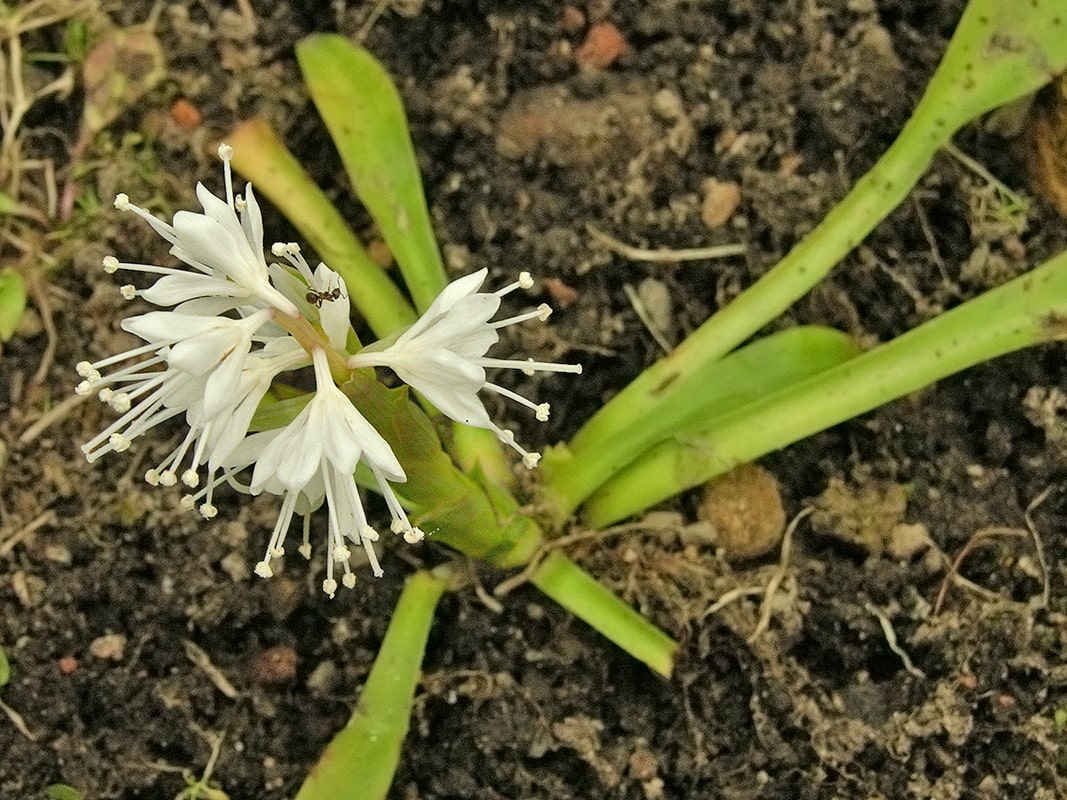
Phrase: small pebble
(746, 510)
(603, 46)
(721, 199)
(273, 666)
(110, 646)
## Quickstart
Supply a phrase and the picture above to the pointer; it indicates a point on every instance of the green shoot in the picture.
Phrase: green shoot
(260, 156)
(999, 53)
(360, 761)
(361, 107)
(1026, 311)
(12, 301)
(744, 376)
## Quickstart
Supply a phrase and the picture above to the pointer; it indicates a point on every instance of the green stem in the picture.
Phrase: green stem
(1028, 310)
(756, 370)
(360, 761)
(578, 592)
(1000, 52)
(261, 157)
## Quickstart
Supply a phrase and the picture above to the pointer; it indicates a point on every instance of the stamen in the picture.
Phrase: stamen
(529, 459)
(226, 153)
(528, 367)
(540, 410)
(541, 312)
(525, 281)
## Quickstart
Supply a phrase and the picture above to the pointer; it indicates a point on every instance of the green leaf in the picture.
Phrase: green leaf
(5, 669)
(262, 158)
(60, 791)
(450, 506)
(687, 400)
(12, 302)
(1025, 311)
(7, 204)
(1000, 52)
(363, 112)
(360, 761)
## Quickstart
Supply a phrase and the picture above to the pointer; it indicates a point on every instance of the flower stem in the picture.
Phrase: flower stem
(360, 761)
(581, 594)
(1029, 310)
(999, 52)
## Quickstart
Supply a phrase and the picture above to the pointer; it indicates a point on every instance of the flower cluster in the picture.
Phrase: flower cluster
(234, 324)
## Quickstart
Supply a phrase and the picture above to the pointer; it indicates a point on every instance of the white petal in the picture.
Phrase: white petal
(448, 381)
(210, 243)
(220, 391)
(450, 295)
(170, 290)
(252, 221)
(333, 314)
(167, 326)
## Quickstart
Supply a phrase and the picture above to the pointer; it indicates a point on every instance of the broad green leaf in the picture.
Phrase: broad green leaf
(261, 157)
(12, 302)
(362, 110)
(687, 400)
(5, 669)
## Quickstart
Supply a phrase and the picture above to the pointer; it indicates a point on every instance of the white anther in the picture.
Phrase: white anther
(263, 570)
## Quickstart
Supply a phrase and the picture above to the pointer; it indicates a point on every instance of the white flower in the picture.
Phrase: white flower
(315, 457)
(224, 251)
(321, 295)
(442, 355)
(203, 359)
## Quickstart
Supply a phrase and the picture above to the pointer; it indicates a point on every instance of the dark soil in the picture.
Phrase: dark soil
(520, 151)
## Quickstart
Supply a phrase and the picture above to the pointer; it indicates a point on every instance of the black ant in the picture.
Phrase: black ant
(319, 296)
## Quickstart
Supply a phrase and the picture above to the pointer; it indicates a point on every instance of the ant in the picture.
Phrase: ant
(319, 296)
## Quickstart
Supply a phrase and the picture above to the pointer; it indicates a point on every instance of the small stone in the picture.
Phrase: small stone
(562, 294)
(324, 678)
(274, 666)
(603, 45)
(235, 565)
(571, 19)
(58, 554)
(67, 665)
(745, 508)
(721, 199)
(110, 646)
(906, 540)
(185, 115)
